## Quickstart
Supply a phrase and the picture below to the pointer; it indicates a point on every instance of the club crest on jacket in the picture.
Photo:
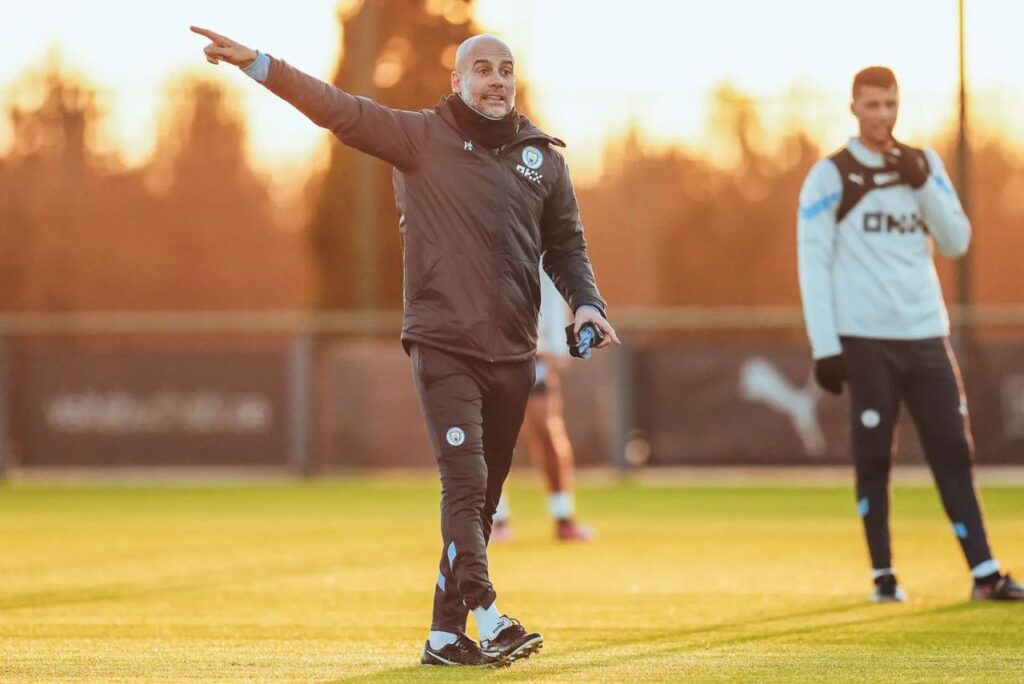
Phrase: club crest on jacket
(532, 157)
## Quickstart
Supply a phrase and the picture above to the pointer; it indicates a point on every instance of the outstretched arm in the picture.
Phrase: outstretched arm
(223, 48)
(392, 135)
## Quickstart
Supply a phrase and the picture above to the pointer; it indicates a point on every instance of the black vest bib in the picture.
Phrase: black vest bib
(859, 180)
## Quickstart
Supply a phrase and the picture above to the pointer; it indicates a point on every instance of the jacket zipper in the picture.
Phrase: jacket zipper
(497, 253)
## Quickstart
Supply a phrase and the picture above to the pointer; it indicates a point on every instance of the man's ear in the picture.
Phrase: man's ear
(456, 82)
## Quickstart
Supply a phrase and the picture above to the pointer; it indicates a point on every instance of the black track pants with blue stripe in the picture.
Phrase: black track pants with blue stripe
(473, 410)
(924, 375)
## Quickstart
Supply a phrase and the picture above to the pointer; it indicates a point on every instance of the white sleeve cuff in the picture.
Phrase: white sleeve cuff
(258, 69)
(821, 349)
(590, 306)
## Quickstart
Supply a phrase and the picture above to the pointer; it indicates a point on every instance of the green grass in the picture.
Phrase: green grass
(332, 581)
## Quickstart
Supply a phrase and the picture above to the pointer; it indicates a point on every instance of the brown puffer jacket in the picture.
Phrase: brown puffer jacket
(475, 221)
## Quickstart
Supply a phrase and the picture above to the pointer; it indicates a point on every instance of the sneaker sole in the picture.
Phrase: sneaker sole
(523, 651)
(898, 597)
(438, 661)
(995, 599)
(435, 660)
(499, 664)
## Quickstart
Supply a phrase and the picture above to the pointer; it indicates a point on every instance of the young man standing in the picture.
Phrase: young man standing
(873, 307)
(483, 197)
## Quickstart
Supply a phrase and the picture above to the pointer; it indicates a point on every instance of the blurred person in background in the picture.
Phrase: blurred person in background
(869, 217)
(545, 430)
(484, 197)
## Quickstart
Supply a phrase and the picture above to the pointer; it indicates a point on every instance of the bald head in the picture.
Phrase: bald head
(482, 45)
(484, 75)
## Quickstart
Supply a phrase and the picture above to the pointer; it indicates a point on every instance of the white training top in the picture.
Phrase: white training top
(872, 274)
(554, 316)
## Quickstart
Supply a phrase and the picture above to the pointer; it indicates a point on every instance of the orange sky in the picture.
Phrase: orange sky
(593, 67)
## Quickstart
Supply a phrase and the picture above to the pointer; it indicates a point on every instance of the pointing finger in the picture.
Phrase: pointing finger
(215, 37)
(203, 32)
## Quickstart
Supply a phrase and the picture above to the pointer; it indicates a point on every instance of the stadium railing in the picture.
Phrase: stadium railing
(32, 346)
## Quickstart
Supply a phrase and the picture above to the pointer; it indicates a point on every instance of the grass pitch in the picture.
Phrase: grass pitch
(332, 581)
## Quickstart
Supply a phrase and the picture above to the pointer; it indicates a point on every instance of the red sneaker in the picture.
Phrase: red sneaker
(501, 533)
(570, 530)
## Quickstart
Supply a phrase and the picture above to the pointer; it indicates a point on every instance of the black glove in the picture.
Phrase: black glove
(589, 337)
(830, 374)
(910, 163)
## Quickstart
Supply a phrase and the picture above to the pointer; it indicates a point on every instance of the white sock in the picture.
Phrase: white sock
(502, 513)
(439, 640)
(561, 505)
(487, 620)
(882, 572)
(985, 569)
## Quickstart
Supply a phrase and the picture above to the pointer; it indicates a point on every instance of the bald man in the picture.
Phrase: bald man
(484, 196)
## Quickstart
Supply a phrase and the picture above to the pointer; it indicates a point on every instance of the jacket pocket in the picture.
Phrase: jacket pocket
(454, 303)
(418, 274)
(520, 303)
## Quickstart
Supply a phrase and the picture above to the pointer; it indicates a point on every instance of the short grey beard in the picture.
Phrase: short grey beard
(465, 98)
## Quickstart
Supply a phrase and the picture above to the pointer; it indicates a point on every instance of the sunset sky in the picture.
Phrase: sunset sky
(592, 67)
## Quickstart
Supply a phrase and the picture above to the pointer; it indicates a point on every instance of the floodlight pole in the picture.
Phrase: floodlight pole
(965, 330)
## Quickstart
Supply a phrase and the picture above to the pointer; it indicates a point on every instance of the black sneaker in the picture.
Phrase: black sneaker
(511, 642)
(1003, 589)
(463, 651)
(887, 590)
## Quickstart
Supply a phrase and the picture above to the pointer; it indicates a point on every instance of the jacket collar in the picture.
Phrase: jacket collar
(527, 129)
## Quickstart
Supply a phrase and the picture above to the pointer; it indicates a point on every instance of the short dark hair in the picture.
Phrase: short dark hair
(879, 76)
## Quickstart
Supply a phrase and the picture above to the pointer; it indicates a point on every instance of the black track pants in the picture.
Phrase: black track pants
(473, 410)
(923, 374)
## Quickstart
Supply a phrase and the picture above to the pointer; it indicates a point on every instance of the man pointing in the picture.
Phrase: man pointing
(483, 197)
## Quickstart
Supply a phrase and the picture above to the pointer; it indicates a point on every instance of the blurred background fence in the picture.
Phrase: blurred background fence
(322, 392)
(248, 267)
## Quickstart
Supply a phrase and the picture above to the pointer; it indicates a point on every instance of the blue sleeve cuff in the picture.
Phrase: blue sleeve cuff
(259, 68)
